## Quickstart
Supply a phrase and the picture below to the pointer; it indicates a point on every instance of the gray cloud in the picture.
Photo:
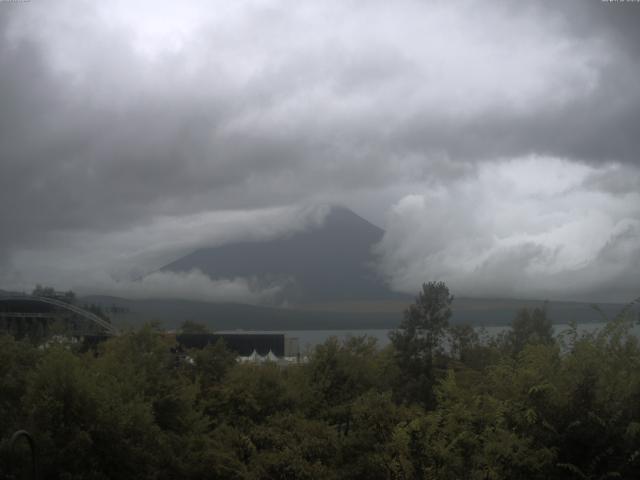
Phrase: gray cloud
(532, 227)
(91, 261)
(123, 119)
(193, 285)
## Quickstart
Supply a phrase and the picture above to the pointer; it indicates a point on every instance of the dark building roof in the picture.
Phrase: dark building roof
(242, 343)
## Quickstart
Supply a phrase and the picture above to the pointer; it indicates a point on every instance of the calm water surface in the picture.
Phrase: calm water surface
(310, 338)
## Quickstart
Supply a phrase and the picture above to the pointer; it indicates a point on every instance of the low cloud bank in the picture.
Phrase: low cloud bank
(192, 285)
(536, 227)
(124, 263)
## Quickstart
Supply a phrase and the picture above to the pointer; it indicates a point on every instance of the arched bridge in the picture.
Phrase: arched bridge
(106, 326)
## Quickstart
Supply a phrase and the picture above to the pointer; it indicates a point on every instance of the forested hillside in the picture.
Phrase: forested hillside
(523, 405)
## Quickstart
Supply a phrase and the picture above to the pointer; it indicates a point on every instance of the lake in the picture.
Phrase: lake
(308, 339)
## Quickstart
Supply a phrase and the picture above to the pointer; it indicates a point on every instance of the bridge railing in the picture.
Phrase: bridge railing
(110, 329)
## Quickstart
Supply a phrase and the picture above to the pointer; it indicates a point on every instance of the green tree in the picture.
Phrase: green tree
(289, 446)
(252, 393)
(418, 340)
(212, 363)
(338, 373)
(469, 436)
(85, 424)
(189, 326)
(369, 451)
(17, 360)
(530, 327)
(463, 341)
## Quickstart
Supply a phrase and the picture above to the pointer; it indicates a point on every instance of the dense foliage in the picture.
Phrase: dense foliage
(439, 403)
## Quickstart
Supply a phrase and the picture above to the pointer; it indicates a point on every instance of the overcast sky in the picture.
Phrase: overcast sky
(496, 142)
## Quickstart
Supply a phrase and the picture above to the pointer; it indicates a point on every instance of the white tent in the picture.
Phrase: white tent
(271, 357)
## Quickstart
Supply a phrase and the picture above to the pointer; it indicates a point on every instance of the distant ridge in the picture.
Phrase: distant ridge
(327, 263)
(367, 315)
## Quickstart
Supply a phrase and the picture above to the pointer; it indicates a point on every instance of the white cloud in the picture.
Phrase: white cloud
(193, 285)
(525, 227)
(124, 262)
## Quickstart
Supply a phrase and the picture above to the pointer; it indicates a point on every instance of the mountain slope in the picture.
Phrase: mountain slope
(330, 262)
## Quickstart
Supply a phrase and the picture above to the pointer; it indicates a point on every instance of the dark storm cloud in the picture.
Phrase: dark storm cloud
(115, 116)
(618, 21)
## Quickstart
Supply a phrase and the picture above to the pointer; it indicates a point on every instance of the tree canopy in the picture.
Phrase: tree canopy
(526, 405)
(418, 339)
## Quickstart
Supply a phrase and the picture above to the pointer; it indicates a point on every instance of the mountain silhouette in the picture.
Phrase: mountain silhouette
(330, 262)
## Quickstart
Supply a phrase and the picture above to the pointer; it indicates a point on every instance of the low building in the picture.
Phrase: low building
(249, 346)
